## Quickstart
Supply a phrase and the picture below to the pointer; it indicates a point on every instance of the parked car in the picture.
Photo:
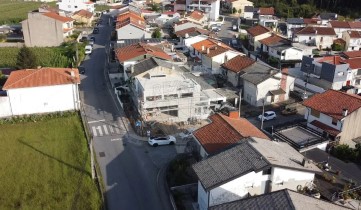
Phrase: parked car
(163, 140)
(186, 133)
(289, 111)
(81, 69)
(92, 38)
(88, 49)
(269, 115)
(83, 39)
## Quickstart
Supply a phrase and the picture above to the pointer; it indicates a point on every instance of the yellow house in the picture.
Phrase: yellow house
(83, 16)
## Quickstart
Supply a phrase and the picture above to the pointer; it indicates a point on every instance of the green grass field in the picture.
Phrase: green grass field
(16, 11)
(46, 165)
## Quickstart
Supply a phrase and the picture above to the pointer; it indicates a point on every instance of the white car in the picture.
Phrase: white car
(163, 140)
(269, 115)
(187, 133)
(88, 49)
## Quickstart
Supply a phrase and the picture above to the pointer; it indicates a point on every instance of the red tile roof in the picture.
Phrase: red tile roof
(354, 34)
(274, 39)
(340, 24)
(191, 30)
(354, 63)
(266, 11)
(224, 131)
(310, 20)
(334, 59)
(215, 47)
(26, 78)
(139, 49)
(196, 15)
(257, 30)
(332, 131)
(351, 54)
(355, 24)
(55, 16)
(238, 63)
(84, 13)
(317, 31)
(132, 18)
(332, 103)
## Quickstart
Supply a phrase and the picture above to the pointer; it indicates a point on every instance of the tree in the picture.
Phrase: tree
(234, 10)
(239, 11)
(156, 33)
(26, 59)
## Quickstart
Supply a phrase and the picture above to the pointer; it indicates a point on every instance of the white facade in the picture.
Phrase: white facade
(131, 32)
(210, 8)
(214, 63)
(167, 19)
(320, 41)
(44, 99)
(248, 15)
(254, 41)
(182, 26)
(253, 184)
(352, 44)
(191, 40)
(76, 5)
(292, 26)
(289, 54)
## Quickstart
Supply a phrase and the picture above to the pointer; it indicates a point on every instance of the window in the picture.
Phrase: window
(315, 113)
(153, 98)
(340, 73)
(171, 96)
(267, 171)
(186, 95)
(334, 121)
(75, 6)
(309, 38)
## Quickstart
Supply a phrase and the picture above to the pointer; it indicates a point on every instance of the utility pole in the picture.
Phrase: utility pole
(239, 102)
(262, 115)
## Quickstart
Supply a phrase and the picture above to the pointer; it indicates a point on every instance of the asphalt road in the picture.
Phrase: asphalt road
(130, 175)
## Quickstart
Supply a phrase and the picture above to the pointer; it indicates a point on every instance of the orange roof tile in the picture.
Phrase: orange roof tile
(326, 128)
(130, 17)
(257, 30)
(354, 34)
(266, 11)
(83, 13)
(340, 24)
(354, 63)
(317, 31)
(238, 63)
(196, 15)
(274, 39)
(355, 24)
(41, 77)
(333, 59)
(215, 47)
(224, 131)
(55, 16)
(190, 31)
(139, 49)
(351, 54)
(332, 102)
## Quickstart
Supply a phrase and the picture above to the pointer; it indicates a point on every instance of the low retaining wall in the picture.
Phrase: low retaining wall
(12, 44)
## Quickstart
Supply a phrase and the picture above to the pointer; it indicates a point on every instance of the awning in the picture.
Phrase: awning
(326, 128)
(277, 92)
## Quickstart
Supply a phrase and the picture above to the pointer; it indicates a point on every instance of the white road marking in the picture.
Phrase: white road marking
(99, 128)
(117, 130)
(118, 139)
(105, 130)
(94, 131)
(94, 121)
(111, 129)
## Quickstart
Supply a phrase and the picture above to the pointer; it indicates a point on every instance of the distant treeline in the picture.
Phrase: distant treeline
(307, 8)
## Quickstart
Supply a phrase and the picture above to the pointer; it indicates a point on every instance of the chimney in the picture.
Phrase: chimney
(186, 35)
(202, 47)
(208, 50)
(72, 74)
(234, 114)
(219, 44)
(344, 112)
(132, 69)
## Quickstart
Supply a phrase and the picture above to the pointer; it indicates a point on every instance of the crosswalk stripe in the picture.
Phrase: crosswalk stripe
(111, 129)
(94, 131)
(117, 130)
(105, 130)
(99, 128)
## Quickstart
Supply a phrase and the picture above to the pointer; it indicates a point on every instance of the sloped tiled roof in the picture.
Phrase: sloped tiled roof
(332, 102)
(257, 30)
(139, 49)
(351, 54)
(354, 63)
(196, 15)
(224, 131)
(55, 16)
(83, 13)
(132, 18)
(215, 47)
(355, 24)
(274, 39)
(27, 78)
(354, 34)
(340, 24)
(192, 31)
(266, 11)
(282, 199)
(250, 155)
(317, 31)
(326, 128)
(238, 63)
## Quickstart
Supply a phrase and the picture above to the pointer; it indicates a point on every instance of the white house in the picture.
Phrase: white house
(131, 25)
(167, 19)
(210, 7)
(321, 37)
(212, 139)
(196, 16)
(255, 34)
(186, 35)
(281, 199)
(325, 18)
(281, 48)
(353, 40)
(213, 53)
(339, 27)
(336, 114)
(184, 24)
(254, 166)
(33, 91)
(75, 5)
(239, 5)
(162, 91)
(265, 13)
(294, 23)
(265, 85)
(234, 67)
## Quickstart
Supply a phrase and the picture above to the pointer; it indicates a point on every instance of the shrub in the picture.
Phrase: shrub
(344, 152)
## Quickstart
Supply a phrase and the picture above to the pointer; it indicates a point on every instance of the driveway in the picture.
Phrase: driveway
(129, 168)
